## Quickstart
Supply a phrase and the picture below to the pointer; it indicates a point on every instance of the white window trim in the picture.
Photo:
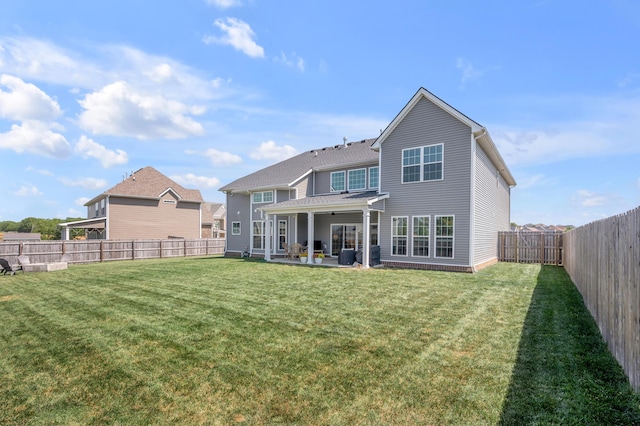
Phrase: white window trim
(286, 232)
(369, 177)
(428, 237)
(406, 236)
(435, 237)
(239, 228)
(253, 234)
(344, 176)
(262, 193)
(364, 187)
(421, 164)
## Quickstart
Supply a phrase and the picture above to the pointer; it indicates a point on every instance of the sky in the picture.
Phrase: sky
(207, 91)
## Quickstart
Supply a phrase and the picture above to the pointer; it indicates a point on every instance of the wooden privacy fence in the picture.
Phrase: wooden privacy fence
(603, 261)
(530, 247)
(87, 251)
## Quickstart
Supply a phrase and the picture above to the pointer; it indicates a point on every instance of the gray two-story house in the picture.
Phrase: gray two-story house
(432, 192)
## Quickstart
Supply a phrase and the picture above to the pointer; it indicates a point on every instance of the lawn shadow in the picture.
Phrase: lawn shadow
(564, 373)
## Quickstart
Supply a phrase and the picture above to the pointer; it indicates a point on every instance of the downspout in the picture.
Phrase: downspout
(106, 218)
(250, 224)
(472, 204)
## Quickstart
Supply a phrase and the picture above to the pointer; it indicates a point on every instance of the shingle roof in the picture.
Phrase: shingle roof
(325, 201)
(284, 173)
(150, 183)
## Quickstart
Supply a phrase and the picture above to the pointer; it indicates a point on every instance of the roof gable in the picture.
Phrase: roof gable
(150, 183)
(479, 132)
(420, 94)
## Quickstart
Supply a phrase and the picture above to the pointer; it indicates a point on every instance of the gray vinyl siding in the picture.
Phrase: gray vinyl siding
(238, 209)
(427, 124)
(283, 195)
(492, 208)
(304, 188)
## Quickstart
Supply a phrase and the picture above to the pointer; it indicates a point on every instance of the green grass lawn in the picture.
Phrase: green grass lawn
(230, 341)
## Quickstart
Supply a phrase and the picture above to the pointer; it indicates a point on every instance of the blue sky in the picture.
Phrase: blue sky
(207, 91)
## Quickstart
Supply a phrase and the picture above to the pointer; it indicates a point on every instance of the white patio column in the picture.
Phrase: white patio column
(366, 237)
(66, 233)
(310, 237)
(267, 237)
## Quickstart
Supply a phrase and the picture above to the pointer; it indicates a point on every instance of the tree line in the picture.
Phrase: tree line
(47, 228)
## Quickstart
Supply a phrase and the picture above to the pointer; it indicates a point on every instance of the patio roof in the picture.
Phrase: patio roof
(97, 223)
(344, 201)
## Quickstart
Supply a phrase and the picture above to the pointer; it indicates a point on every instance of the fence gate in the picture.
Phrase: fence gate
(530, 247)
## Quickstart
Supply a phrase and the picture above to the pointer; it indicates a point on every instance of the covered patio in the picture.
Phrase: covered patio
(344, 219)
(94, 228)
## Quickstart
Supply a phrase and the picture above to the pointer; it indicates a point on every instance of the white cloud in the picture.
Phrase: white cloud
(36, 138)
(118, 110)
(41, 171)
(103, 64)
(25, 101)
(606, 126)
(590, 199)
(468, 71)
(221, 158)
(27, 191)
(73, 213)
(191, 180)
(519, 146)
(224, 4)
(239, 35)
(87, 183)
(89, 148)
(332, 128)
(534, 181)
(161, 73)
(291, 61)
(82, 201)
(271, 151)
(44, 61)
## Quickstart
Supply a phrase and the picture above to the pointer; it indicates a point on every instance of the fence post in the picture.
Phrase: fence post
(133, 249)
(101, 250)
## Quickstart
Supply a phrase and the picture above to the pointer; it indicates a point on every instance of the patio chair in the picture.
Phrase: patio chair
(287, 250)
(296, 249)
(5, 268)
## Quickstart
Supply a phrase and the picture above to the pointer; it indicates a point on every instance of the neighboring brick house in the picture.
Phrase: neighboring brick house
(432, 191)
(145, 205)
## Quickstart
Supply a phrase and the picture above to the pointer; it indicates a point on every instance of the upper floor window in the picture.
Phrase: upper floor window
(374, 173)
(357, 179)
(337, 181)
(263, 197)
(422, 164)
